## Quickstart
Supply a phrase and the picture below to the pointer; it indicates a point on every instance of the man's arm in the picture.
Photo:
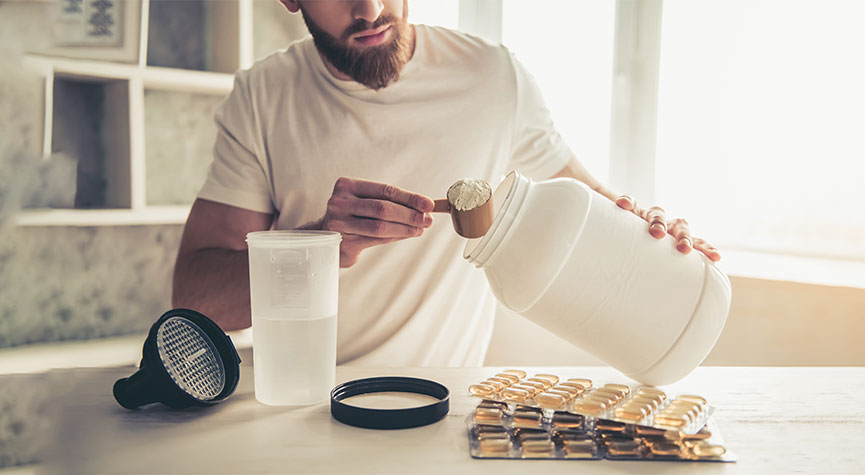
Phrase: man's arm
(211, 274)
(658, 226)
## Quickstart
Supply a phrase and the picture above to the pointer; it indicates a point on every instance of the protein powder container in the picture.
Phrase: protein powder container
(576, 264)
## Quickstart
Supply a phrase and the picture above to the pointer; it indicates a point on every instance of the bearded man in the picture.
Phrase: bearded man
(356, 130)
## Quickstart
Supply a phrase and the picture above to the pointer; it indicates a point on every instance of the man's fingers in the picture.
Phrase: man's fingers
(390, 211)
(681, 232)
(381, 191)
(626, 202)
(373, 228)
(709, 250)
(657, 222)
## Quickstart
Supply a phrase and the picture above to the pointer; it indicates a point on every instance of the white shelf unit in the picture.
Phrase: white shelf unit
(229, 46)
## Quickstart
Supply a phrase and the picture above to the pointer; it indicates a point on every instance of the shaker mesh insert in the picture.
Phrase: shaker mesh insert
(190, 358)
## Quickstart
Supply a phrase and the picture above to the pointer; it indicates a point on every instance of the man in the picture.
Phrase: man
(405, 110)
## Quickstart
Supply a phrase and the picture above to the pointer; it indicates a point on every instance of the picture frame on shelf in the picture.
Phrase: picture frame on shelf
(102, 30)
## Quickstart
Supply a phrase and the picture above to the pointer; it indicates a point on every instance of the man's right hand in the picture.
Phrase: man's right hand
(368, 214)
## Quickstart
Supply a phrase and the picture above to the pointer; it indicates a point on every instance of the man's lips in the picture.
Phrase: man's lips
(372, 37)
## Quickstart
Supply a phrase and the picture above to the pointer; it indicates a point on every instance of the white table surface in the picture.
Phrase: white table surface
(776, 420)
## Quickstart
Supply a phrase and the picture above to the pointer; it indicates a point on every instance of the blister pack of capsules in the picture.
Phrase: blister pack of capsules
(546, 417)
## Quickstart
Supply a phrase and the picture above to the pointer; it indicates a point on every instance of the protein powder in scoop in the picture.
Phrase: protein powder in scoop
(469, 193)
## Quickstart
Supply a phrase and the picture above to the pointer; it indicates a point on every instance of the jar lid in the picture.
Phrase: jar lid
(398, 418)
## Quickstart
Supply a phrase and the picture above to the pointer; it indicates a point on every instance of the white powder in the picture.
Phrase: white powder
(469, 193)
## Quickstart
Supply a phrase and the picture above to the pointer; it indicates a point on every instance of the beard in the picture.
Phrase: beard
(376, 66)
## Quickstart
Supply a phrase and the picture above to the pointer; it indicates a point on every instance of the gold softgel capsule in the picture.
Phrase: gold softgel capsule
(488, 415)
(566, 420)
(704, 449)
(510, 377)
(623, 448)
(481, 390)
(495, 447)
(514, 395)
(497, 385)
(546, 383)
(586, 383)
(590, 407)
(664, 448)
(516, 372)
(505, 382)
(619, 387)
(550, 401)
(549, 377)
(538, 448)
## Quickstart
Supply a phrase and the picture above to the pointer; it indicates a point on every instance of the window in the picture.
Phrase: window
(761, 117)
(568, 48)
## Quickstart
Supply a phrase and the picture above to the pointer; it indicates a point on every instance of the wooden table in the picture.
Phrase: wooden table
(777, 420)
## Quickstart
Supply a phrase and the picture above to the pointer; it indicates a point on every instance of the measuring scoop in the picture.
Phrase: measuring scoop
(471, 223)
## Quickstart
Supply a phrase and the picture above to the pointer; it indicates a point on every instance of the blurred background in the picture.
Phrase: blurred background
(745, 117)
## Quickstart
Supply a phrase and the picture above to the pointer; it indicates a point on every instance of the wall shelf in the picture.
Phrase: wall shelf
(139, 128)
(151, 215)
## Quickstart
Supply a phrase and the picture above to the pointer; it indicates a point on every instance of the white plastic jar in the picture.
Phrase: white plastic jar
(576, 264)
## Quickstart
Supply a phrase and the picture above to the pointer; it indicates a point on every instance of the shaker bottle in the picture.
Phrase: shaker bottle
(293, 289)
(573, 262)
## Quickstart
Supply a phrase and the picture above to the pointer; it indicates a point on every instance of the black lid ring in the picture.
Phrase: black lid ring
(389, 418)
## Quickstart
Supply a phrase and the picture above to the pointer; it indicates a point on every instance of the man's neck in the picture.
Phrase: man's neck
(343, 77)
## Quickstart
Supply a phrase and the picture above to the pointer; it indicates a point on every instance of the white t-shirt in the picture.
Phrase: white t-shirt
(462, 108)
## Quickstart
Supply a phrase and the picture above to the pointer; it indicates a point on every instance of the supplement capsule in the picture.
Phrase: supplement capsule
(653, 402)
(538, 448)
(495, 447)
(510, 377)
(527, 417)
(517, 396)
(580, 447)
(525, 435)
(671, 420)
(609, 391)
(642, 411)
(619, 387)
(491, 432)
(567, 396)
(546, 383)
(481, 390)
(532, 390)
(652, 391)
(610, 426)
(586, 383)
(590, 407)
(549, 377)
(493, 404)
(505, 382)
(624, 448)
(704, 449)
(573, 392)
(488, 415)
(607, 398)
(516, 372)
(644, 431)
(693, 398)
(664, 448)
(566, 420)
(538, 386)
(569, 384)
(497, 385)
(550, 401)
(630, 416)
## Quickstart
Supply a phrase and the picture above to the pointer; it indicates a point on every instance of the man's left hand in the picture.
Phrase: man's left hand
(678, 228)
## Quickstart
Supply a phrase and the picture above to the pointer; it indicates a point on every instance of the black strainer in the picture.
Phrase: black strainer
(187, 360)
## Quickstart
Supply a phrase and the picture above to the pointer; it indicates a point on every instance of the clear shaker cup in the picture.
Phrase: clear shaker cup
(294, 293)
